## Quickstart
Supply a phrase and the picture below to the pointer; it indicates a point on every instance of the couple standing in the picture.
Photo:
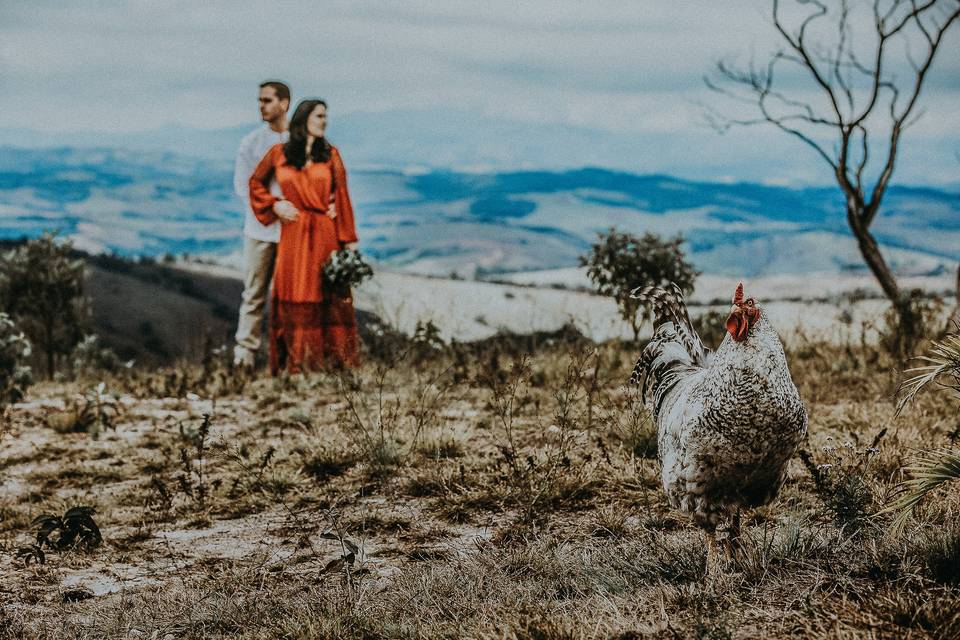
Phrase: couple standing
(297, 213)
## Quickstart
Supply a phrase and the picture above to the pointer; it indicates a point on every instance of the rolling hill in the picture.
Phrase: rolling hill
(473, 224)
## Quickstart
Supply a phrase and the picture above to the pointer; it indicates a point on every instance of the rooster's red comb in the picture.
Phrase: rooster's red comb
(738, 296)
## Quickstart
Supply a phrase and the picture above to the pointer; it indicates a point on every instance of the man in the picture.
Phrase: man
(259, 241)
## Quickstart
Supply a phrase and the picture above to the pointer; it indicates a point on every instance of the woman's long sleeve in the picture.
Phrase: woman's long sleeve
(261, 200)
(346, 229)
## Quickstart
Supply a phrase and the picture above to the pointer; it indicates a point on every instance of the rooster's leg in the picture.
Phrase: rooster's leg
(713, 553)
(732, 543)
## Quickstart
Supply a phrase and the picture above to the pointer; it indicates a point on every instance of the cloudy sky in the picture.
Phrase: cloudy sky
(630, 71)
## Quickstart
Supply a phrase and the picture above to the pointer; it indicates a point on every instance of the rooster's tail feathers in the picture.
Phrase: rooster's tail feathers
(664, 362)
(669, 307)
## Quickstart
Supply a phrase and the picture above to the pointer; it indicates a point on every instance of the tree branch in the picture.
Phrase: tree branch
(799, 46)
(831, 70)
(865, 154)
(916, 11)
(838, 58)
(870, 211)
(760, 84)
(920, 25)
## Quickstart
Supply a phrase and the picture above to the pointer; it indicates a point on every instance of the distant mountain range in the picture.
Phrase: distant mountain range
(147, 202)
(472, 140)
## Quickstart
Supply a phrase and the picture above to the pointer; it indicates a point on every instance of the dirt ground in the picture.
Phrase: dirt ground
(458, 492)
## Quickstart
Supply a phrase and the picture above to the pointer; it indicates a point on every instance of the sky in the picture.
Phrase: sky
(630, 71)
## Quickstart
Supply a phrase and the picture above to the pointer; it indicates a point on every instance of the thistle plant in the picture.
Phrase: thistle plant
(843, 483)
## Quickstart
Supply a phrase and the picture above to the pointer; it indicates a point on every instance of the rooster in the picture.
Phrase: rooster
(727, 422)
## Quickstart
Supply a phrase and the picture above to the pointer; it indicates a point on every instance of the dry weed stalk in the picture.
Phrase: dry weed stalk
(390, 427)
(193, 481)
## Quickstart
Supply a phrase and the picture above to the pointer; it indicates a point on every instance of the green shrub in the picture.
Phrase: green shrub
(620, 262)
(41, 287)
(15, 374)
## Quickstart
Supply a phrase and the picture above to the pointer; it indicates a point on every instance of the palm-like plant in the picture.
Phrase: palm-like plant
(931, 469)
(943, 369)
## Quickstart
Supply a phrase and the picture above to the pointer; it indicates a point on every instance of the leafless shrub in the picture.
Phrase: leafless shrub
(159, 499)
(631, 424)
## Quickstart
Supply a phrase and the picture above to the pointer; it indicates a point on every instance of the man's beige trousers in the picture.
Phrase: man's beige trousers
(258, 257)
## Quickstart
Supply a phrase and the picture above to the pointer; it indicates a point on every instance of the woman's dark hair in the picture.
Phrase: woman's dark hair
(296, 147)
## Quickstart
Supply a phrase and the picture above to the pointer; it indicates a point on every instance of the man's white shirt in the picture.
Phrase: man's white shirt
(252, 149)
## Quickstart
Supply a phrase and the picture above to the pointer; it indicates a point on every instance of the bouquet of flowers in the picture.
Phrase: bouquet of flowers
(344, 269)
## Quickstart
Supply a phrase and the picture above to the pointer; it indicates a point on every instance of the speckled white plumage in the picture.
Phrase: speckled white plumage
(727, 426)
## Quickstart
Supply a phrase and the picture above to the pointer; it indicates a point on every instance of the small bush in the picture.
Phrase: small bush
(325, 462)
(15, 373)
(620, 262)
(91, 360)
(92, 412)
(76, 528)
(41, 287)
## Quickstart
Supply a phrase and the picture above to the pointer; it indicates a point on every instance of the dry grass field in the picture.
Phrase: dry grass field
(508, 489)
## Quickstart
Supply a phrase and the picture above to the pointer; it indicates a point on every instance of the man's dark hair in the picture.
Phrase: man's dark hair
(295, 149)
(282, 90)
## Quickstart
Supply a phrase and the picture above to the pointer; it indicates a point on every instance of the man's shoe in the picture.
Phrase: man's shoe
(242, 358)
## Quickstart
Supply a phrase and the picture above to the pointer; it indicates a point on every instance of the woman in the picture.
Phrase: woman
(310, 327)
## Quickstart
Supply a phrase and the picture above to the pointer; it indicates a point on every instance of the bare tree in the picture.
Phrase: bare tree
(862, 106)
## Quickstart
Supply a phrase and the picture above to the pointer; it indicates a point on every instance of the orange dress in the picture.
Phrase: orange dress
(310, 327)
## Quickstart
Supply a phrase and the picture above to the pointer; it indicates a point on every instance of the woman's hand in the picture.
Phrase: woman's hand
(285, 211)
(332, 207)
